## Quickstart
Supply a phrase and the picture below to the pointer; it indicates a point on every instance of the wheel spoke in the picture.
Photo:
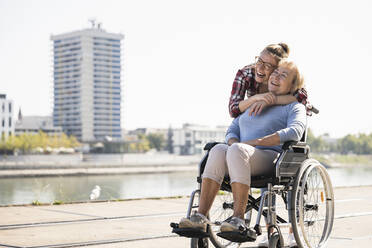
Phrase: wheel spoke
(222, 209)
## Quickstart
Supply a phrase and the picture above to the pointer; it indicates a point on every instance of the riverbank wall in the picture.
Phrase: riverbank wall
(95, 164)
(105, 164)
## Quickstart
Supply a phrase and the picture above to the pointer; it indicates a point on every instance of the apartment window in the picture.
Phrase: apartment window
(3, 108)
(10, 108)
(3, 123)
(10, 121)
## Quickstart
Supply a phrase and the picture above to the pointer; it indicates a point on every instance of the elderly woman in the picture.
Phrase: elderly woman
(253, 142)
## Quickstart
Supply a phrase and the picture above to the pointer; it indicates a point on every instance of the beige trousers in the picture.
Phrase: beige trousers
(240, 161)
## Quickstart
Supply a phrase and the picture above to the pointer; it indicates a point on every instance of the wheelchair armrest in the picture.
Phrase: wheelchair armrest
(210, 145)
(296, 146)
(288, 144)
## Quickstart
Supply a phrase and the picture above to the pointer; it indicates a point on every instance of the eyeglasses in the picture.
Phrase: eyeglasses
(266, 65)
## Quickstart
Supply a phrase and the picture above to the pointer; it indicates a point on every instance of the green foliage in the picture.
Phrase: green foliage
(142, 145)
(147, 142)
(30, 142)
(156, 141)
(349, 144)
(169, 146)
(358, 144)
(317, 144)
(36, 203)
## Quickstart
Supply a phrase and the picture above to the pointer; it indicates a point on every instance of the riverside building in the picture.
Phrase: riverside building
(35, 124)
(87, 83)
(6, 117)
(191, 139)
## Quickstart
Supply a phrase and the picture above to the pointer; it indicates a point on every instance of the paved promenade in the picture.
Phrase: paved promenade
(145, 223)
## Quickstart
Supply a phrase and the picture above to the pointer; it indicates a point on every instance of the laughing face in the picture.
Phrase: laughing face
(281, 80)
(265, 65)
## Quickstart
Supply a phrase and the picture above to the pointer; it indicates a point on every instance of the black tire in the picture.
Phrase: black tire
(199, 243)
(274, 241)
(312, 205)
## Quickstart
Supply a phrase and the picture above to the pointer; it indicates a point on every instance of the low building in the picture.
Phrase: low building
(147, 131)
(35, 124)
(191, 139)
(188, 140)
(6, 116)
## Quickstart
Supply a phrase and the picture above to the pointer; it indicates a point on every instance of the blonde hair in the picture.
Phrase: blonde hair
(279, 51)
(298, 79)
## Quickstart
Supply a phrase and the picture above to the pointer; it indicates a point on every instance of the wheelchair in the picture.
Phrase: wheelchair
(310, 210)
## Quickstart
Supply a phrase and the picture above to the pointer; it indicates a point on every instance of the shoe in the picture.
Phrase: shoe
(197, 221)
(291, 241)
(235, 224)
(264, 242)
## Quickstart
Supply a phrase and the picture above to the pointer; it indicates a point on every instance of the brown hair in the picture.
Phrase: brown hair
(298, 79)
(279, 51)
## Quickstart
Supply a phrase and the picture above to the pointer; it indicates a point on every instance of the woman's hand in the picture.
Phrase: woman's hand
(268, 97)
(251, 142)
(232, 141)
(268, 140)
(257, 107)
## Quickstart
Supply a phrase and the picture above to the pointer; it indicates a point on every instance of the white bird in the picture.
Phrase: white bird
(95, 193)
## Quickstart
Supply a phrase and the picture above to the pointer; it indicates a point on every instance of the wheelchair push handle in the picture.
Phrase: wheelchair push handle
(312, 108)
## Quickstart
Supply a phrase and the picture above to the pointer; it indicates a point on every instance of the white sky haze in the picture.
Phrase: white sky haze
(180, 57)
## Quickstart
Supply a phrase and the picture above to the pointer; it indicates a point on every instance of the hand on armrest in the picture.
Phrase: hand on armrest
(288, 144)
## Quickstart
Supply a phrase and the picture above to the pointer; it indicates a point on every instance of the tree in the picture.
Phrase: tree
(27, 142)
(156, 141)
(317, 144)
(169, 147)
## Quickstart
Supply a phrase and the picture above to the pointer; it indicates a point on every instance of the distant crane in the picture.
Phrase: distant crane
(93, 21)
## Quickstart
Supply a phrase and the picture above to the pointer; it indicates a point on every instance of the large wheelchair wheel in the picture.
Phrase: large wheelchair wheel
(312, 205)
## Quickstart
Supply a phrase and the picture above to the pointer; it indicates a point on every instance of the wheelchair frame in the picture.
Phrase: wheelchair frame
(293, 169)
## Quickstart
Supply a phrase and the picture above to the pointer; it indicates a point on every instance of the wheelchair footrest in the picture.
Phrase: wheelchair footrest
(188, 232)
(240, 237)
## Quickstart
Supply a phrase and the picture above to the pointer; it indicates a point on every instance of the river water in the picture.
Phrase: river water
(113, 187)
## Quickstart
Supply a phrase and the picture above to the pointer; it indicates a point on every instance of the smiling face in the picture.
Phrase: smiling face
(282, 79)
(265, 65)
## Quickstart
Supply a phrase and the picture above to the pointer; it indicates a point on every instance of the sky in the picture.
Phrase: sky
(180, 57)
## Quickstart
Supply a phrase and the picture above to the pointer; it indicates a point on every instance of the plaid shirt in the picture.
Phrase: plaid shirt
(245, 82)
